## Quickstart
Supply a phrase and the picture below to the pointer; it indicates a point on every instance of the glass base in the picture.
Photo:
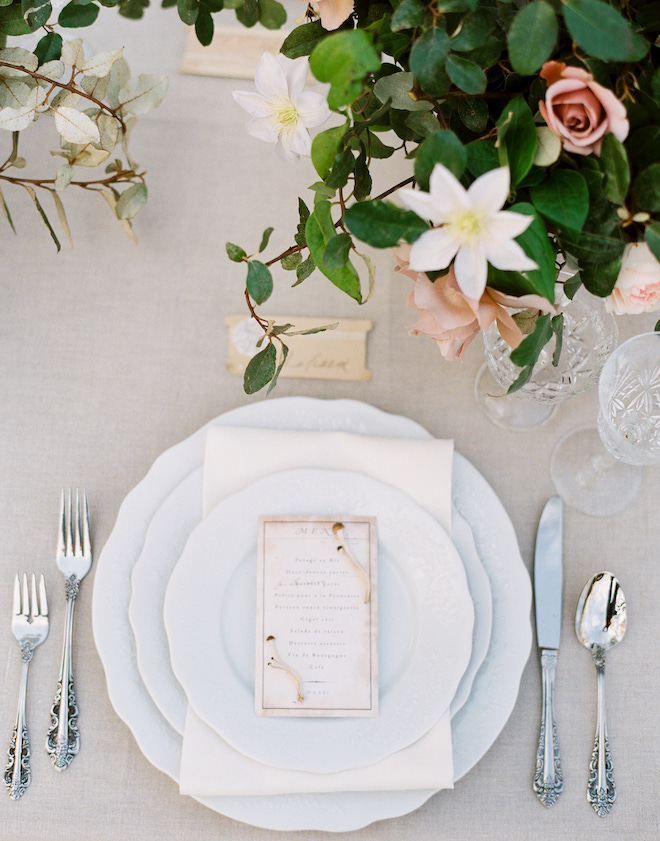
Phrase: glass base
(508, 411)
(588, 478)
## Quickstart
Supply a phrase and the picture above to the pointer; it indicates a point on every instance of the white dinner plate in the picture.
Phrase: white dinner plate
(474, 728)
(424, 608)
(165, 539)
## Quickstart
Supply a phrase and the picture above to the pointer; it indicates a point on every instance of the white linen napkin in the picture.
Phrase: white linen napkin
(235, 458)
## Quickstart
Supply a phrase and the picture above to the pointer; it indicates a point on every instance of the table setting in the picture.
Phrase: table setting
(128, 441)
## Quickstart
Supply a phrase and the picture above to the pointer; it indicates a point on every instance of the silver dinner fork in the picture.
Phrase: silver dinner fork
(29, 625)
(74, 558)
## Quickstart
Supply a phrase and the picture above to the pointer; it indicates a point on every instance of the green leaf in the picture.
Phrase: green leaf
(343, 166)
(652, 238)
(278, 370)
(465, 74)
(646, 188)
(409, 15)
(49, 48)
(473, 113)
(259, 282)
(474, 30)
(343, 60)
(44, 218)
(588, 248)
(337, 250)
(562, 198)
(12, 21)
(304, 270)
(235, 252)
(532, 37)
(272, 15)
(319, 231)
(325, 148)
(302, 40)
(614, 162)
(643, 145)
(291, 262)
(557, 324)
(482, 156)
(260, 369)
(516, 134)
(536, 244)
(427, 60)
(397, 87)
(599, 278)
(443, 147)
(382, 224)
(527, 352)
(74, 15)
(303, 215)
(363, 184)
(265, 238)
(204, 26)
(602, 31)
(131, 201)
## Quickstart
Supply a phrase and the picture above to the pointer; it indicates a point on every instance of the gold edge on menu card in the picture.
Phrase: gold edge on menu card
(317, 651)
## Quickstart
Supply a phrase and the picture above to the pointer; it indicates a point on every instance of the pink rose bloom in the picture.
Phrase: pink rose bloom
(637, 288)
(333, 12)
(452, 319)
(579, 110)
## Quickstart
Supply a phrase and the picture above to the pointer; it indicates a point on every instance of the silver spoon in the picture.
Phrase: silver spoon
(600, 623)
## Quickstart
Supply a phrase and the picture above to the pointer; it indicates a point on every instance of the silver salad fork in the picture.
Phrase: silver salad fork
(29, 625)
(74, 558)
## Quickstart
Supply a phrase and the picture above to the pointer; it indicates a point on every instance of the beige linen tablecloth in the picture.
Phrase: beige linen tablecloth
(110, 353)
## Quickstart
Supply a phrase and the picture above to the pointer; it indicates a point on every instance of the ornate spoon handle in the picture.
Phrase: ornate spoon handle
(601, 791)
(63, 739)
(17, 772)
(548, 782)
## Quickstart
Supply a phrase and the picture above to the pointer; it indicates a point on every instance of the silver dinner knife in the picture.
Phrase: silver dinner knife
(547, 596)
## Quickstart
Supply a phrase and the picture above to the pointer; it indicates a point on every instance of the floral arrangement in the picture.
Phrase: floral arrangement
(533, 131)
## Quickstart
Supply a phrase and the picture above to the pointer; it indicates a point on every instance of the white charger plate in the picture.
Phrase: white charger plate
(164, 542)
(474, 728)
(423, 602)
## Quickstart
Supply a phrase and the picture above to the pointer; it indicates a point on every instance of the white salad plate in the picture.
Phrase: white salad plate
(164, 542)
(424, 607)
(474, 727)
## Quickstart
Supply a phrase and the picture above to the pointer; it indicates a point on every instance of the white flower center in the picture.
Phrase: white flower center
(284, 116)
(468, 225)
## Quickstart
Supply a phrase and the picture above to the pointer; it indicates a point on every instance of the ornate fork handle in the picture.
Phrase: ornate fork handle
(548, 782)
(63, 739)
(17, 772)
(601, 791)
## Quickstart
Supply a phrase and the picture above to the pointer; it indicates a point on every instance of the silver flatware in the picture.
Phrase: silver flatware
(74, 558)
(29, 625)
(600, 624)
(548, 782)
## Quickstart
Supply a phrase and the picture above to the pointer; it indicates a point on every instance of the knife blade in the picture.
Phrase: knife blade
(548, 782)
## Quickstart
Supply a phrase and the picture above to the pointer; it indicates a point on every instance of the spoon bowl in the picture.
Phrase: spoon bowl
(600, 624)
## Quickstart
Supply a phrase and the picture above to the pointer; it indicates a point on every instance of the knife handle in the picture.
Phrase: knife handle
(548, 781)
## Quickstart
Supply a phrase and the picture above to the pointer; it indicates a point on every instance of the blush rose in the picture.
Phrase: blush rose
(637, 287)
(579, 110)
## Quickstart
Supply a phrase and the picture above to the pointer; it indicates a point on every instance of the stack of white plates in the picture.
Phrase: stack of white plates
(159, 564)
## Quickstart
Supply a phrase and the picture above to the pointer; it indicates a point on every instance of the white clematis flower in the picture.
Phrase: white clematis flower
(469, 225)
(282, 111)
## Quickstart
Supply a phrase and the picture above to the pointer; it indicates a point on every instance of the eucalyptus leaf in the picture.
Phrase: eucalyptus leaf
(473, 31)
(280, 359)
(49, 48)
(409, 15)
(272, 15)
(532, 37)
(143, 93)
(265, 237)
(131, 201)
(75, 15)
(465, 74)
(204, 26)
(602, 31)
(304, 270)
(259, 282)
(235, 252)
(260, 370)
(302, 40)
(398, 87)
(427, 60)
(343, 59)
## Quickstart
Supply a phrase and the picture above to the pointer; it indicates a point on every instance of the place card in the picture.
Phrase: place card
(337, 354)
(317, 617)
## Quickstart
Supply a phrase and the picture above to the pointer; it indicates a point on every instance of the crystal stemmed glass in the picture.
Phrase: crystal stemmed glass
(598, 469)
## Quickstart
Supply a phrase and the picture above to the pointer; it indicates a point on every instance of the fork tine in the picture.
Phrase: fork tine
(17, 596)
(61, 539)
(43, 602)
(25, 606)
(87, 544)
(75, 527)
(34, 606)
(67, 526)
